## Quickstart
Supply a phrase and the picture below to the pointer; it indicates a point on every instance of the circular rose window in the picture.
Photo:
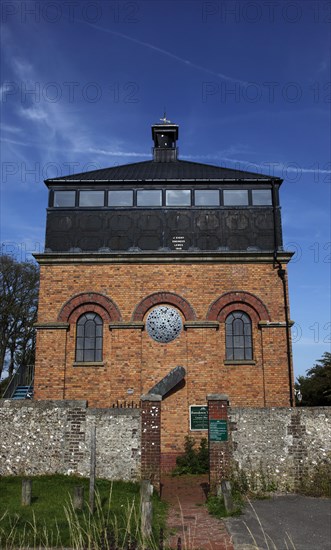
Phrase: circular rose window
(164, 324)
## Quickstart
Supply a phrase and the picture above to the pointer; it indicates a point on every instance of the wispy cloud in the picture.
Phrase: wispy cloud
(111, 153)
(166, 53)
(9, 128)
(34, 113)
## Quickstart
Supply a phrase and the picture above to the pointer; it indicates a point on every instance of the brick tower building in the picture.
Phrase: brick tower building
(164, 270)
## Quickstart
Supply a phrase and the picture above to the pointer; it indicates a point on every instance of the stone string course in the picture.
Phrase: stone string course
(277, 445)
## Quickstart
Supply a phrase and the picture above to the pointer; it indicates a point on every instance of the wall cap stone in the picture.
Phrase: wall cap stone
(151, 397)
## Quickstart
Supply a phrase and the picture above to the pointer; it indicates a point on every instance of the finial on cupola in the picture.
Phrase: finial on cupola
(164, 119)
(165, 136)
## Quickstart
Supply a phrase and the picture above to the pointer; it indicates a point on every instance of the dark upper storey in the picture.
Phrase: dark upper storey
(164, 204)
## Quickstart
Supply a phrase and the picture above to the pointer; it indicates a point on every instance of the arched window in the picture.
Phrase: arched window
(89, 338)
(238, 333)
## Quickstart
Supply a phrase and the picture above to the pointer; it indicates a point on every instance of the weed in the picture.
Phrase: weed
(317, 482)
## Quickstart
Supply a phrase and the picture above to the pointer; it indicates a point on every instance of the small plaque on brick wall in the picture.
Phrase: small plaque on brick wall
(198, 417)
(218, 430)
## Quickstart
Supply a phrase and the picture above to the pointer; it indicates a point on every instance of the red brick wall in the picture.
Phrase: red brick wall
(219, 451)
(151, 440)
(133, 361)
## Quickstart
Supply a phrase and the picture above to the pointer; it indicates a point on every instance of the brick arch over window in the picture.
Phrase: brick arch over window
(89, 302)
(164, 298)
(238, 300)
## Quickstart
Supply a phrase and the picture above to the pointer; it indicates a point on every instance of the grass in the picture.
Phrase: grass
(52, 521)
(216, 506)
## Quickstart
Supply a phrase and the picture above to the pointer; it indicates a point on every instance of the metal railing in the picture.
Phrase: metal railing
(22, 377)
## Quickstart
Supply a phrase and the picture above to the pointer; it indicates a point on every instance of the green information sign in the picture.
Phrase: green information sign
(218, 430)
(198, 417)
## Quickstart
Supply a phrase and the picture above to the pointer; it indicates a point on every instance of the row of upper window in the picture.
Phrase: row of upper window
(238, 337)
(159, 197)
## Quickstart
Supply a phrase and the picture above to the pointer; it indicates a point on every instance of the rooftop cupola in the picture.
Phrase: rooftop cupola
(165, 136)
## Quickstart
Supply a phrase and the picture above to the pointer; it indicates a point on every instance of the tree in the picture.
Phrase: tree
(19, 284)
(315, 387)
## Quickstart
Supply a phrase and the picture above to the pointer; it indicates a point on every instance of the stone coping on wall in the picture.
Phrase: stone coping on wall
(68, 404)
(117, 411)
(50, 403)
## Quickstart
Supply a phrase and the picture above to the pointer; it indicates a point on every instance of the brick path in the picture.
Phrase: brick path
(188, 517)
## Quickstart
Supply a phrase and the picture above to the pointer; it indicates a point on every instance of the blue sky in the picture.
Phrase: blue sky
(248, 82)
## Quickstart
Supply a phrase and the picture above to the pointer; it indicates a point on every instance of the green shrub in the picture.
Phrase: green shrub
(193, 461)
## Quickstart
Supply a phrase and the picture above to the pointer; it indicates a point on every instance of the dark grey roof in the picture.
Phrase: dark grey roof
(150, 171)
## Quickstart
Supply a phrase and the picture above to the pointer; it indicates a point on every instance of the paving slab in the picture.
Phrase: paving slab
(287, 522)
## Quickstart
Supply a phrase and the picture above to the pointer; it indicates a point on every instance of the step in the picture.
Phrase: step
(21, 392)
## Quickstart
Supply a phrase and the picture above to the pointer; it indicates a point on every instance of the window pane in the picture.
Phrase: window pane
(91, 198)
(90, 329)
(238, 327)
(79, 355)
(178, 197)
(64, 198)
(238, 341)
(239, 354)
(149, 197)
(207, 197)
(247, 329)
(235, 197)
(80, 330)
(80, 343)
(248, 354)
(261, 196)
(89, 343)
(229, 354)
(120, 198)
(89, 316)
(248, 342)
(89, 355)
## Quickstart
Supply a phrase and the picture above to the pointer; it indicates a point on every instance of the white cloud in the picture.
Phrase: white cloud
(11, 129)
(34, 113)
